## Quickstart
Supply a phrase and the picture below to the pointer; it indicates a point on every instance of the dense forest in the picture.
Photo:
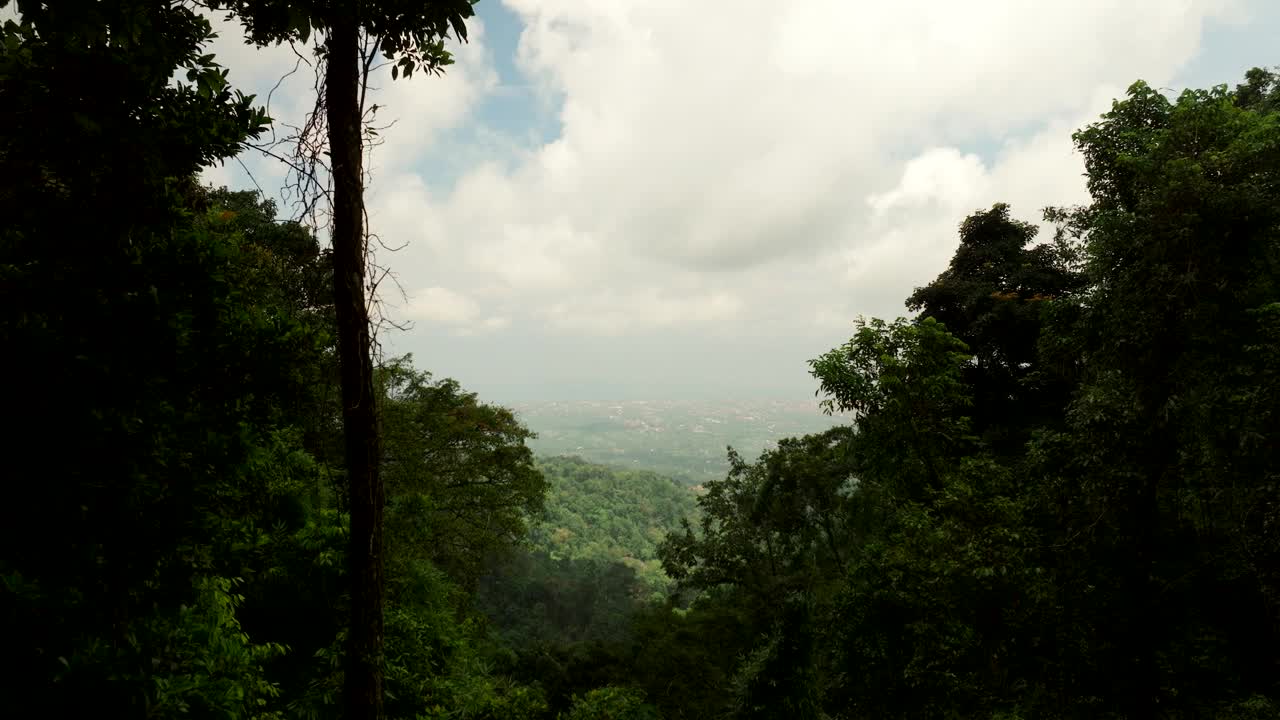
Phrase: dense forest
(1056, 497)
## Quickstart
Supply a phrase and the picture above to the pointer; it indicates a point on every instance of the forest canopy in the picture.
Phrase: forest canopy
(1056, 495)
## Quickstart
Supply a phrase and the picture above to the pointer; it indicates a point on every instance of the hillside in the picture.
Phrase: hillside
(592, 561)
(598, 512)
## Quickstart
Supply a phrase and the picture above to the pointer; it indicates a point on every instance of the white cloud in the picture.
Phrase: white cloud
(749, 170)
(913, 230)
(941, 177)
(612, 314)
(442, 305)
(702, 141)
(458, 312)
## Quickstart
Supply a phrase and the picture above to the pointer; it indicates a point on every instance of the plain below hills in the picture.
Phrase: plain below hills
(685, 439)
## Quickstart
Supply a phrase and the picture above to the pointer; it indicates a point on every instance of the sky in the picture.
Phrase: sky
(658, 199)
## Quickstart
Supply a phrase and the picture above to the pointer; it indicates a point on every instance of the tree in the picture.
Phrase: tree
(411, 33)
(610, 703)
(1260, 91)
(903, 381)
(992, 297)
(770, 526)
(144, 435)
(886, 569)
(599, 512)
(460, 479)
(1165, 470)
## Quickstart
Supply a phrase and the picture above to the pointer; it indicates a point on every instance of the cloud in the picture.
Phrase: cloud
(451, 309)
(941, 177)
(914, 225)
(611, 313)
(704, 141)
(738, 174)
(442, 305)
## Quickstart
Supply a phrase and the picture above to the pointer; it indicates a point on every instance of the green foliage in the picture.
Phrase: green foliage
(602, 513)
(218, 671)
(904, 382)
(538, 601)
(181, 340)
(568, 605)
(80, 73)
(769, 526)
(993, 297)
(936, 610)
(610, 703)
(163, 363)
(410, 33)
(435, 666)
(474, 693)
(1260, 92)
(1160, 457)
(871, 556)
(778, 678)
(685, 660)
(460, 479)
(1256, 707)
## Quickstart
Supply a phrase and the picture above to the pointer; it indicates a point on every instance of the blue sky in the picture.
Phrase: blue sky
(658, 199)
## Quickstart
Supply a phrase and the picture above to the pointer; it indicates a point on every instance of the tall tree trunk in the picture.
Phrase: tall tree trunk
(363, 669)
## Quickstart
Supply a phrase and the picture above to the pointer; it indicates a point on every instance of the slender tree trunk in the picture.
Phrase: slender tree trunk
(363, 669)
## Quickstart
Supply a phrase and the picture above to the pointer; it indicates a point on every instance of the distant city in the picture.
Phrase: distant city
(687, 440)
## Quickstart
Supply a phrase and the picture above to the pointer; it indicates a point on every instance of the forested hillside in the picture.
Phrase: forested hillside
(565, 605)
(1054, 496)
(606, 513)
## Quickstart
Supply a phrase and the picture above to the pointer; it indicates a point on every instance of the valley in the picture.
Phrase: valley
(686, 440)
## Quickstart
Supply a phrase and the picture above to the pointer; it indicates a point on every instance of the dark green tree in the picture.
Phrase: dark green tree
(610, 703)
(1166, 470)
(460, 479)
(888, 567)
(992, 297)
(151, 374)
(904, 383)
(771, 525)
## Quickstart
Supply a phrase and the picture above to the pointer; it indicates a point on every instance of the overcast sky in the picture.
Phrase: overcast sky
(661, 199)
